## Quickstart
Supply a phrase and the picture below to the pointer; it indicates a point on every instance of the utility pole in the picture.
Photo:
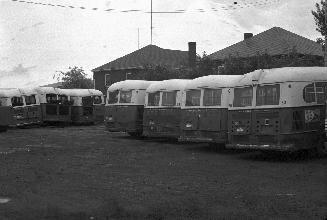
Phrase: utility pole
(325, 32)
(151, 23)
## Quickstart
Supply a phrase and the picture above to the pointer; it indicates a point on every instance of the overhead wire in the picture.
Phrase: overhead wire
(236, 5)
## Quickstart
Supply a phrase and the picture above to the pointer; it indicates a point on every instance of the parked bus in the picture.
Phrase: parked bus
(82, 109)
(205, 109)
(11, 108)
(55, 105)
(162, 113)
(125, 105)
(14, 99)
(32, 108)
(279, 109)
(98, 103)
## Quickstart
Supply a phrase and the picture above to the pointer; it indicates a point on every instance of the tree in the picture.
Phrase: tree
(75, 78)
(319, 16)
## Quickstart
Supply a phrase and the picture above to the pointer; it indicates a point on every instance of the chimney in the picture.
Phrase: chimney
(247, 35)
(191, 54)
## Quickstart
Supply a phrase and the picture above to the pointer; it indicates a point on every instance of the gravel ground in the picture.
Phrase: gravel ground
(85, 172)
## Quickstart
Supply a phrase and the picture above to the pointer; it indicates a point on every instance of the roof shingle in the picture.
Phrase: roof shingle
(152, 55)
(274, 41)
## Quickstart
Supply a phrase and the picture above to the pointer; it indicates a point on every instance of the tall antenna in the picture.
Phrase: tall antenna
(151, 22)
(138, 38)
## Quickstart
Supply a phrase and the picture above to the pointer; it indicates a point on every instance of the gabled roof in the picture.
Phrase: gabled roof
(275, 41)
(150, 54)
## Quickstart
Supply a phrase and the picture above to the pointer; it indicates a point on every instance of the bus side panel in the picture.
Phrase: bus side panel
(33, 114)
(55, 113)
(204, 125)
(82, 114)
(239, 127)
(5, 117)
(162, 122)
(99, 113)
(18, 116)
(127, 118)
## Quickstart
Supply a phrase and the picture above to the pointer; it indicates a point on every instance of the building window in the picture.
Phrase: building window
(243, 97)
(268, 95)
(107, 79)
(193, 97)
(212, 97)
(169, 98)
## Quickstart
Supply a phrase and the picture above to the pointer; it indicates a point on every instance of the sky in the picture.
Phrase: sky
(39, 38)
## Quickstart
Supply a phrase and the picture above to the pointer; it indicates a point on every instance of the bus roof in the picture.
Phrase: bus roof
(47, 90)
(213, 81)
(8, 93)
(285, 74)
(75, 92)
(130, 84)
(168, 85)
(28, 91)
(95, 92)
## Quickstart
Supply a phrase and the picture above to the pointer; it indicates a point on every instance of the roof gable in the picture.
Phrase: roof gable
(275, 41)
(152, 55)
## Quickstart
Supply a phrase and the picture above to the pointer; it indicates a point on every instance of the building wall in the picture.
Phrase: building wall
(103, 79)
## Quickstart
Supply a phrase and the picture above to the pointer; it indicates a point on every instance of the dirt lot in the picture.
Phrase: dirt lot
(87, 173)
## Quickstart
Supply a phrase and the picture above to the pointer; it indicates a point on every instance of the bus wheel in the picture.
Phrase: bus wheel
(135, 134)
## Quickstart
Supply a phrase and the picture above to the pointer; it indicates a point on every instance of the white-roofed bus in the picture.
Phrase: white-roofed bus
(55, 105)
(125, 105)
(32, 108)
(82, 108)
(280, 109)
(98, 104)
(12, 112)
(205, 109)
(162, 113)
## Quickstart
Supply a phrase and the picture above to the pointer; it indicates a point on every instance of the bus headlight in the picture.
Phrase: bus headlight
(109, 118)
(240, 129)
(188, 125)
(151, 122)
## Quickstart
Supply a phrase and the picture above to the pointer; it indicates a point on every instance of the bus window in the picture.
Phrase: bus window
(113, 97)
(212, 97)
(17, 101)
(193, 97)
(97, 100)
(315, 92)
(125, 96)
(87, 101)
(242, 97)
(153, 99)
(30, 100)
(63, 98)
(169, 98)
(268, 95)
(51, 98)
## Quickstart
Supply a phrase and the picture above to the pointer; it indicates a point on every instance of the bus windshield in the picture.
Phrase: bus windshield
(153, 99)
(113, 97)
(51, 98)
(243, 97)
(268, 95)
(169, 98)
(30, 100)
(212, 97)
(315, 92)
(17, 101)
(125, 96)
(193, 97)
